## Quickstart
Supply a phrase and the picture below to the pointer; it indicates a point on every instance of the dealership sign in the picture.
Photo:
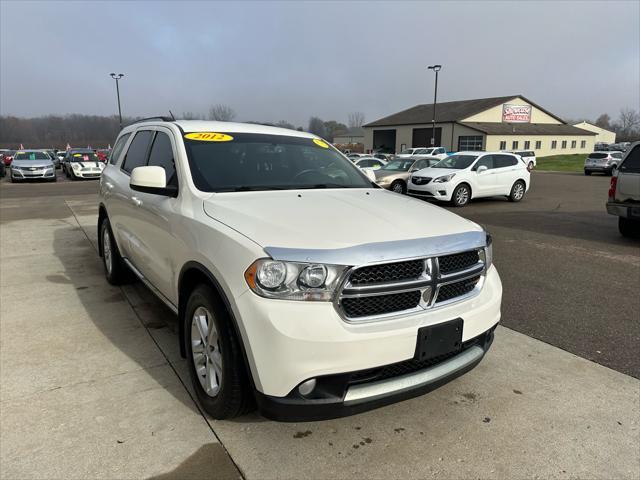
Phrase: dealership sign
(516, 113)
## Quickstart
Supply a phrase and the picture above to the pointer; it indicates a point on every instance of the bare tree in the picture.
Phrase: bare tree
(604, 121)
(316, 126)
(356, 119)
(629, 120)
(222, 113)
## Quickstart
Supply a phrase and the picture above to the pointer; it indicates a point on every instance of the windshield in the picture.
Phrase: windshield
(398, 165)
(31, 156)
(249, 161)
(83, 157)
(456, 162)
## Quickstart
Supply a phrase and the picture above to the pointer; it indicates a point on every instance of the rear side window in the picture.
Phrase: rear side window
(598, 155)
(616, 155)
(501, 161)
(117, 149)
(137, 153)
(632, 163)
(162, 156)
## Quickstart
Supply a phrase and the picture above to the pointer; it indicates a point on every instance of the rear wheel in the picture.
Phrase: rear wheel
(215, 359)
(517, 191)
(587, 172)
(398, 187)
(628, 228)
(461, 195)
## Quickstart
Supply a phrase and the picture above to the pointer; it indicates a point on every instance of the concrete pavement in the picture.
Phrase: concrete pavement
(92, 386)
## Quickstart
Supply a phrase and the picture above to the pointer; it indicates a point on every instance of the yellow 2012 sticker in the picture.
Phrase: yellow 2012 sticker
(320, 143)
(209, 137)
(77, 155)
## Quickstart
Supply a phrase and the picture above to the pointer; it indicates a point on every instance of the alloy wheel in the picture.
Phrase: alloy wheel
(518, 191)
(462, 196)
(106, 250)
(397, 188)
(205, 346)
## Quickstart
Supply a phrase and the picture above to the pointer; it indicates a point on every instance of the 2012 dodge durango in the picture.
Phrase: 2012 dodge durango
(299, 285)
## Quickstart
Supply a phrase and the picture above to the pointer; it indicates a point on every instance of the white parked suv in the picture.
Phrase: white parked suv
(466, 175)
(437, 152)
(298, 284)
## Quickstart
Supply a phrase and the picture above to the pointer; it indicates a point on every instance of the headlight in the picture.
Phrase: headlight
(75, 165)
(444, 178)
(293, 281)
(384, 180)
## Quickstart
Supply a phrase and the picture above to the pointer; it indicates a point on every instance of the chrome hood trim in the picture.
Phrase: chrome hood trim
(383, 251)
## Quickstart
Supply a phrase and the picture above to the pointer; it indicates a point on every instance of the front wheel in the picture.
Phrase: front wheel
(215, 359)
(115, 269)
(398, 187)
(461, 195)
(517, 191)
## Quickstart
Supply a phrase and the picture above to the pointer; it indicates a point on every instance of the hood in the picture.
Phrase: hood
(32, 163)
(84, 165)
(331, 219)
(435, 172)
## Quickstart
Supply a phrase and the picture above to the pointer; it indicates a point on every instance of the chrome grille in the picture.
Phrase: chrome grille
(457, 262)
(373, 292)
(387, 272)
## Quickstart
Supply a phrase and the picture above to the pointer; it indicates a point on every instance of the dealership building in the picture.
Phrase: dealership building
(490, 124)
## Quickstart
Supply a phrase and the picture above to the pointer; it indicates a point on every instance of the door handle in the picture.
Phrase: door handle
(136, 201)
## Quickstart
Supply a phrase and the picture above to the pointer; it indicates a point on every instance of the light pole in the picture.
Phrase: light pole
(117, 77)
(435, 68)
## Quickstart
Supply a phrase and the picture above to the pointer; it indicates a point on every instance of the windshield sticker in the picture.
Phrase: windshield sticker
(209, 137)
(320, 143)
(77, 155)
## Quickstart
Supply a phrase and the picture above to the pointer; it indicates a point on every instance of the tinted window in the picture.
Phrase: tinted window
(162, 156)
(420, 164)
(457, 162)
(632, 162)
(501, 161)
(486, 161)
(250, 161)
(598, 155)
(616, 155)
(31, 156)
(117, 149)
(137, 154)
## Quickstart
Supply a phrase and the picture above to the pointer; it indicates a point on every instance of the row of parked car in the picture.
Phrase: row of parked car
(42, 164)
(452, 177)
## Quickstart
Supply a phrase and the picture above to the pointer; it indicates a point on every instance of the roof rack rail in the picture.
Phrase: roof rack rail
(148, 119)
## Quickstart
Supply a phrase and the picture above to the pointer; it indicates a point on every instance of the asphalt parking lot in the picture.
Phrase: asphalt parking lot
(92, 384)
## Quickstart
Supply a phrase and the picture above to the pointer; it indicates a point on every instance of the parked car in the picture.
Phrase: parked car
(603, 162)
(32, 165)
(438, 152)
(7, 157)
(103, 154)
(466, 175)
(297, 284)
(61, 154)
(369, 163)
(82, 163)
(355, 156)
(624, 193)
(53, 156)
(528, 157)
(395, 174)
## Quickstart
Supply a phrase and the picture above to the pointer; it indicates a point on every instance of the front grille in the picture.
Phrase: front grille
(459, 261)
(387, 273)
(420, 180)
(457, 289)
(355, 307)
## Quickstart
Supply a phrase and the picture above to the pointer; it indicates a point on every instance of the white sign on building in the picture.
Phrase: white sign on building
(516, 113)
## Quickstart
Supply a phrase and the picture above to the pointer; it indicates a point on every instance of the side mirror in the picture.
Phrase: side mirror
(482, 168)
(413, 170)
(152, 180)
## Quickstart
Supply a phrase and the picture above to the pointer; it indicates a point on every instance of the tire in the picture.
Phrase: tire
(398, 186)
(517, 191)
(628, 228)
(461, 195)
(115, 270)
(219, 379)
(587, 172)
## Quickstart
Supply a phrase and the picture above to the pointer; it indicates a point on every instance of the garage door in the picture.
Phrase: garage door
(384, 141)
(422, 137)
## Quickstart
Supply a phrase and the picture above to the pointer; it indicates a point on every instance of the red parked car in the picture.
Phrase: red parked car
(7, 156)
(103, 155)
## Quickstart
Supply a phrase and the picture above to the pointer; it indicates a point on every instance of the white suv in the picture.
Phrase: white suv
(298, 284)
(466, 175)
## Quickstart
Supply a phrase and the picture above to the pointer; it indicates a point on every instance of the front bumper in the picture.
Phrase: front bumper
(437, 191)
(94, 173)
(347, 396)
(624, 210)
(290, 342)
(48, 173)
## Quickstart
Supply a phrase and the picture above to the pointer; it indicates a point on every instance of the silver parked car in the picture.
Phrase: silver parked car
(32, 165)
(624, 193)
(603, 162)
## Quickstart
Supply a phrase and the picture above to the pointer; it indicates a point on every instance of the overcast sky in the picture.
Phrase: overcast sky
(275, 61)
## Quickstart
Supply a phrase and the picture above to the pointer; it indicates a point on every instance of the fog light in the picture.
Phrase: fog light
(307, 387)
